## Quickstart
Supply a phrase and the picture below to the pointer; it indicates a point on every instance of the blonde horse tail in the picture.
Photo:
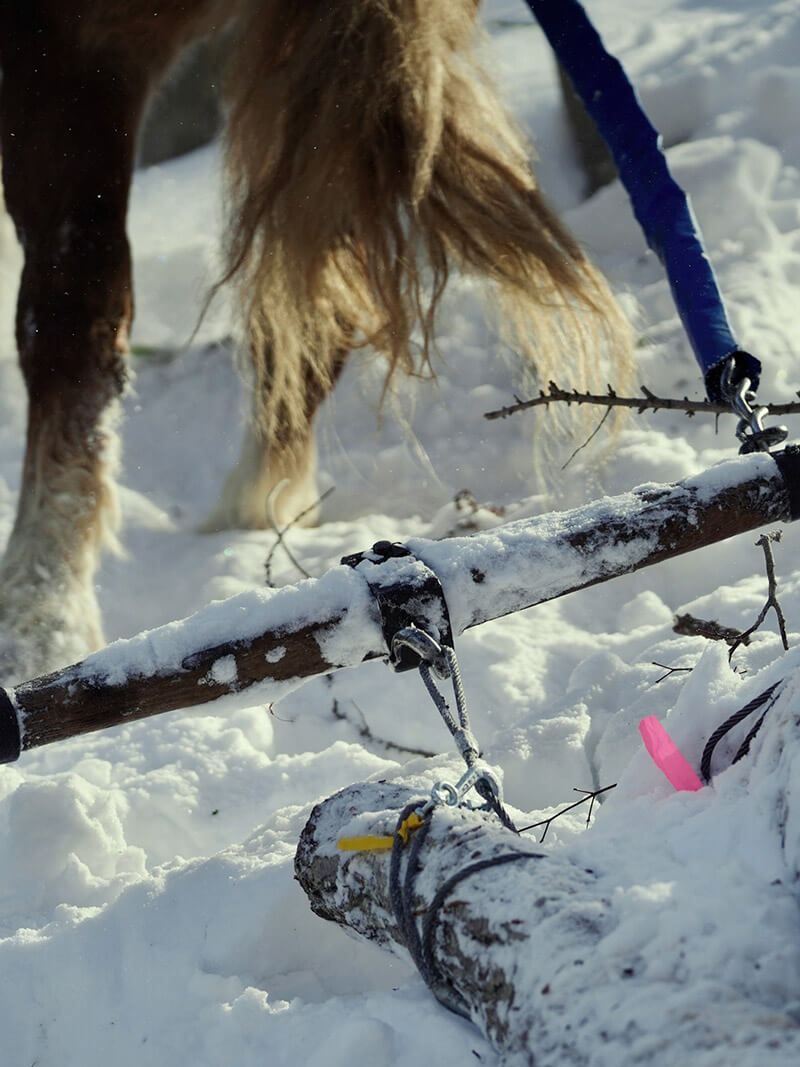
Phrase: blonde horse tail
(368, 157)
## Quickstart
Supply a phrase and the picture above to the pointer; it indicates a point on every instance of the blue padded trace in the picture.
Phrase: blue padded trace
(661, 207)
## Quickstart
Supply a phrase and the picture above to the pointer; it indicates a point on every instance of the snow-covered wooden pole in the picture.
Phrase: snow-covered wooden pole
(274, 640)
(488, 933)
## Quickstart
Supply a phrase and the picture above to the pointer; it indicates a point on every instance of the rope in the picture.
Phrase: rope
(401, 894)
(460, 730)
(434, 911)
(734, 720)
(411, 833)
(420, 943)
(443, 660)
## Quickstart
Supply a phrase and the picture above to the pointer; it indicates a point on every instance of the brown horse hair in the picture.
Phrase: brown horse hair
(369, 156)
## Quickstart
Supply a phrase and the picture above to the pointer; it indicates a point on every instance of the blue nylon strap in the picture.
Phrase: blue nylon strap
(661, 207)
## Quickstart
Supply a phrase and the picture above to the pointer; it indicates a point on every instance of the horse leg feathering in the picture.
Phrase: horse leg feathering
(69, 108)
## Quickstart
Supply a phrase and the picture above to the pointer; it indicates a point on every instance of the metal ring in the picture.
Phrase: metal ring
(445, 793)
(428, 650)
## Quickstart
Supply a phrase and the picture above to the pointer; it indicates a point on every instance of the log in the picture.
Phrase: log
(268, 642)
(544, 953)
(490, 933)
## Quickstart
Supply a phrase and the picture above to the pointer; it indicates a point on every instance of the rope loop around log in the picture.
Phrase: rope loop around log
(400, 892)
(420, 943)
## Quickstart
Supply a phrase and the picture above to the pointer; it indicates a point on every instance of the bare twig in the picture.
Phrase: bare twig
(366, 734)
(590, 795)
(281, 531)
(281, 718)
(690, 626)
(647, 402)
(588, 440)
(669, 670)
(772, 596)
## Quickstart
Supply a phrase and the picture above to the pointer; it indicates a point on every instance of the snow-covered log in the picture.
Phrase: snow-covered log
(278, 639)
(487, 929)
(643, 941)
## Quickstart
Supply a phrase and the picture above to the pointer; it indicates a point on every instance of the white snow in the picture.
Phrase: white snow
(148, 912)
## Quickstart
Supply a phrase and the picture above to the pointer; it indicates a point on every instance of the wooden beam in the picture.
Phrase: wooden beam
(268, 642)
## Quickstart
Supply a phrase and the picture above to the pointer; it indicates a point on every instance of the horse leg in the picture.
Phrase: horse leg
(274, 479)
(68, 133)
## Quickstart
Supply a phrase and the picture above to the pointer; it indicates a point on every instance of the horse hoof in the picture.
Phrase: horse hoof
(267, 490)
(244, 506)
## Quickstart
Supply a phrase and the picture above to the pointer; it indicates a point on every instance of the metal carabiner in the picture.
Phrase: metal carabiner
(428, 650)
(750, 430)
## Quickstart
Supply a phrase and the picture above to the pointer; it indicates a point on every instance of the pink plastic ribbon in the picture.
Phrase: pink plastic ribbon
(667, 756)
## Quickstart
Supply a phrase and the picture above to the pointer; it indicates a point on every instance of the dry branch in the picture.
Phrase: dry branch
(689, 625)
(273, 640)
(648, 401)
(772, 598)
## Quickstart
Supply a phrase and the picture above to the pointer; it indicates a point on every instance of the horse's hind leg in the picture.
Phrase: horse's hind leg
(274, 480)
(270, 484)
(68, 135)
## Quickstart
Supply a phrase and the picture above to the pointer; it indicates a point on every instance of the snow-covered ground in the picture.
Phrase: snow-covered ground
(148, 912)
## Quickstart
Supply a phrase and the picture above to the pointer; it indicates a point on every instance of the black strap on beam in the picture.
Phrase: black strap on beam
(10, 733)
(408, 593)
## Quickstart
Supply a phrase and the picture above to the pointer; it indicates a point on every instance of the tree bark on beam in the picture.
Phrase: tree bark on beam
(490, 932)
(271, 641)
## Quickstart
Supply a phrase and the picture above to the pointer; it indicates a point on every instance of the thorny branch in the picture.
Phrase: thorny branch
(772, 596)
(588, 794)
(647, 402)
